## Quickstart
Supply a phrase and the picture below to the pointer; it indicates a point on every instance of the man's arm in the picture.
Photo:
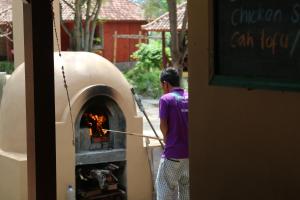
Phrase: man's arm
(164, 128)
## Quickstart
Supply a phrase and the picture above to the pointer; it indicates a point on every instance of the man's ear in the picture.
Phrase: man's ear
(168, 85)
(165, 83)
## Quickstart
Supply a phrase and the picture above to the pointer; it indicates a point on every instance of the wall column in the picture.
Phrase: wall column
(40, 100)
(18, 28)
(57, 24)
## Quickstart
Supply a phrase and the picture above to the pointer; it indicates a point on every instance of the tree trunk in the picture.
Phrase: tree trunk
(82, 35)
(6, 28)
(86, 34)
(178, 38)
(77, 25)
(183, 47)
(94, 24)
(175, 54)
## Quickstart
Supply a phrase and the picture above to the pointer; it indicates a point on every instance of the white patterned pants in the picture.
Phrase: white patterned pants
(172, 176)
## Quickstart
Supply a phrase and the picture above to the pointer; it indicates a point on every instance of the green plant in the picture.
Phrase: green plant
(97, 41)
(6, 66)
(144, 77)
(149, 56)
(145, 83)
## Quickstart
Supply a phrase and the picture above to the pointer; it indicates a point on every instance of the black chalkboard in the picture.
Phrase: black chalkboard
(257, 40)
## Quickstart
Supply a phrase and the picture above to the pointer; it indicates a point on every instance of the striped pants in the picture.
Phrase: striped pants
(172, 175)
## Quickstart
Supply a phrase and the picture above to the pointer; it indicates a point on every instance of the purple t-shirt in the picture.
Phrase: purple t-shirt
(173, 107)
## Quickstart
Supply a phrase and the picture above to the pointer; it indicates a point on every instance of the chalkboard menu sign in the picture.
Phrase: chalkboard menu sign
(257, 43)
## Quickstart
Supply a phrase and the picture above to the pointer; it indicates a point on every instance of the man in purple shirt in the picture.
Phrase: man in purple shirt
(173, 171)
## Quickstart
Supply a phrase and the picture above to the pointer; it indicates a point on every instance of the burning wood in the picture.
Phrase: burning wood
(96, 124)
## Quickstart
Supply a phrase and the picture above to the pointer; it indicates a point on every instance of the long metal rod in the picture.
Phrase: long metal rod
(141, 107)
(134, 134)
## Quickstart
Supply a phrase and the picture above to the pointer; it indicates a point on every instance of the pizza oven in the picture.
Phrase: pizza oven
(98, 116)
(92, 155)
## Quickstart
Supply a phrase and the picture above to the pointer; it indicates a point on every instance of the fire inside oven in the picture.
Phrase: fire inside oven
(100, 153)
(97, 124)
(98, 115)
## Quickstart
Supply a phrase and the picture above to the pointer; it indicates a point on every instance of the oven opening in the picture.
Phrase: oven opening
(99, 115)
(97, 124)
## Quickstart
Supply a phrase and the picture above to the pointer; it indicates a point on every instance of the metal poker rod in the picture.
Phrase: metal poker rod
(141, 107)
(134, 134)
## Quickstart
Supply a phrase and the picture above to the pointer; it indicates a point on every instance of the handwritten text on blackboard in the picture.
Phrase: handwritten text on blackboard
(264, 38)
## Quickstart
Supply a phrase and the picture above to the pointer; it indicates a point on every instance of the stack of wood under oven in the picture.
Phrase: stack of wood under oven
(100, 181)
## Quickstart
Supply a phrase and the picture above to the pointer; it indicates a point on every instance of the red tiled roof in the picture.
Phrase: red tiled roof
(118, 10)
(5, 11)
(162, 23)
(110, 10)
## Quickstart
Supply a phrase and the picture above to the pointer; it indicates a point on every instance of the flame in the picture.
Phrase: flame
(95, 123)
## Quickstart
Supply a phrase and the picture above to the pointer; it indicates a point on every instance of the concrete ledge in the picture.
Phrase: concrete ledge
(13, 173)
(104, 156)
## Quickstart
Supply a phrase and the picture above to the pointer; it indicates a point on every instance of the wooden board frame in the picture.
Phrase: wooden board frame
(216, 79)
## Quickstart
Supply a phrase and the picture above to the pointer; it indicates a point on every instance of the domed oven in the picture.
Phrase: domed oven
(95, 158)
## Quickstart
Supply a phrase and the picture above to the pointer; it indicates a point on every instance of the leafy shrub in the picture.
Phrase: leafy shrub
(145, 83)
(6, 66)
(144, 77)
(148, 56)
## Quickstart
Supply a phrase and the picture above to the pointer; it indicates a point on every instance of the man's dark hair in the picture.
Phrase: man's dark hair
(171, 76)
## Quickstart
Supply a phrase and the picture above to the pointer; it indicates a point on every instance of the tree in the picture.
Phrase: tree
(178, 41)
(178, 47)
(5, 26)
(155, 8)
(138, 1)
(86, 14)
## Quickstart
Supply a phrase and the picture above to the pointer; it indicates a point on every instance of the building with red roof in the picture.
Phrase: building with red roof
(116, 16)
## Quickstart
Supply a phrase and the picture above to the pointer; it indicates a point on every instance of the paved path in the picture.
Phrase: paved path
(154, 149)
(151, 109)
